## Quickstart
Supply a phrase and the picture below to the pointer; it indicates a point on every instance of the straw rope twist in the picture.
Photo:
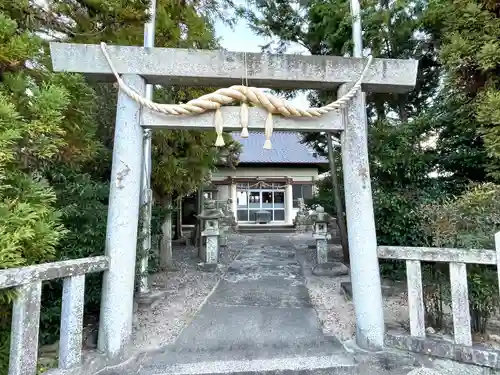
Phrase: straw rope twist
(238, 93)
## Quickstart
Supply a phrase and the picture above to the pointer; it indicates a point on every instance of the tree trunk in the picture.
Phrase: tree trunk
(166, 239)
(179, 218)
(339, 206)
(198, 228)
(403, 113)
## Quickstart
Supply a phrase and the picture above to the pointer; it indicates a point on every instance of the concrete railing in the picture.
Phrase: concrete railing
(462, 348)
(27, 284)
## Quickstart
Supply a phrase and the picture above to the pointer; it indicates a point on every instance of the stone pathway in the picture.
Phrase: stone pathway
(260, 320)
(259, 317)
(262, 302)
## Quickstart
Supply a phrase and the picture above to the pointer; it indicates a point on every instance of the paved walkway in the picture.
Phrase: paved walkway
(259, 321)
(260, 311)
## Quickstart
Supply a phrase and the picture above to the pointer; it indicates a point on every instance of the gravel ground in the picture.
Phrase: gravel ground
(334, 310)
(184, 291)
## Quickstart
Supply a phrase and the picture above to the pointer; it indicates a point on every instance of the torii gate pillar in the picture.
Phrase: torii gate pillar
(364, 270)
(115, 322)
(221, 68)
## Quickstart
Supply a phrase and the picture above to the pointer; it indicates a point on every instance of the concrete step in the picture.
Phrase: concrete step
(265, 228)
(336, 364)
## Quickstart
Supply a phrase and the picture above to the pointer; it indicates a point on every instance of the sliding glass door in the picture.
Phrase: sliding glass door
(251, 199)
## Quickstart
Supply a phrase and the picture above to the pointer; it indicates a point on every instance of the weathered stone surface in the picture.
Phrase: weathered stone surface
(438, 254)
(303, 221)
(268, 291)
(364, 263)
(116, 315)
(48, 271)
(315, 365)
(388, 289)
(424, 371)
(331, 269)
(415, 298)
(232, 121)
(175, 66)
(262, 300)
(70, 346)
(321, 235)
(321, 251)
(444, 349)
(25, 328)
(210, 217)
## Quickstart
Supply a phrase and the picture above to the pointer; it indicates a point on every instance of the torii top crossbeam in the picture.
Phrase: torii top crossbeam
(169, 66)
(173, 66)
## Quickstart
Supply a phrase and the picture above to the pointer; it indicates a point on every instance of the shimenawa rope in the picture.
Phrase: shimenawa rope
(244, 94)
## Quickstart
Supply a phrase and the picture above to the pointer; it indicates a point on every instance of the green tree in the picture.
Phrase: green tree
(38, 126)
(469, 35)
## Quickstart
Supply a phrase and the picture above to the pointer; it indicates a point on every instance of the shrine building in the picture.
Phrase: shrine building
(269, 180)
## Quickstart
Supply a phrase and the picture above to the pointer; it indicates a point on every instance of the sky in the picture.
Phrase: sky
(240, 38)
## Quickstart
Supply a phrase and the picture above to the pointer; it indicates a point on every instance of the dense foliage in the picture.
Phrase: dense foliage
(467, 221)
(38, 128)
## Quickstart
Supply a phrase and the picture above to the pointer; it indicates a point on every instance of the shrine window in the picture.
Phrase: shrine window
(304, 191)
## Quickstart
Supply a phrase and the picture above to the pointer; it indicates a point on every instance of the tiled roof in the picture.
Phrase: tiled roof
(287, 148)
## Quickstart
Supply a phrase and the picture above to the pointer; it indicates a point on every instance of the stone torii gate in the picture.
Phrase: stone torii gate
(138, 66)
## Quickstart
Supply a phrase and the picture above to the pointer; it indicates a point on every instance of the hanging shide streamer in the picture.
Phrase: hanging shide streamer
(244, 119)
(268, 131)
(219, 127)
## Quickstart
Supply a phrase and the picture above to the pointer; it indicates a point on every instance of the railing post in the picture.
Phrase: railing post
(70, 344)
(460, 304)
(25, 327)
(415, 298)
(115, 325)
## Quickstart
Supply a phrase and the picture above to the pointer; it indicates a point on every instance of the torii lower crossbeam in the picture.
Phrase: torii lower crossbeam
(331, 122)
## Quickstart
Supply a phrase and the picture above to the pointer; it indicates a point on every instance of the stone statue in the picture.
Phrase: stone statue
(227, 222)
(302, 221)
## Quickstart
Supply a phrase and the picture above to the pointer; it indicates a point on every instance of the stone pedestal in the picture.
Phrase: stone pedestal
(321, 234)
(210, 218)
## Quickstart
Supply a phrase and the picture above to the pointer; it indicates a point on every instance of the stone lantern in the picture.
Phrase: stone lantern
(321, 235)
(210, 218)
